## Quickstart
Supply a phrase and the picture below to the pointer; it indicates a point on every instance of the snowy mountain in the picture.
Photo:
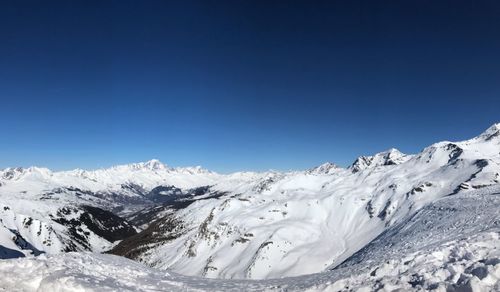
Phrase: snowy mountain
(328, 220)
(305, 222)
(390, 157)
(445, 246)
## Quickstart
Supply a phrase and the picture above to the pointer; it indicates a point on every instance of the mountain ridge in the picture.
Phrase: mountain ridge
(196, 222)
(155, 164)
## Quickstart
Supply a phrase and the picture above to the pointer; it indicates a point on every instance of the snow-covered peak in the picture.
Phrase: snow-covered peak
(389, 157)
(192, 170)
(151, 165)
(155, 164)
(15, 173)
(12, 172)
(325, 168)
(490, 133)
(274, 223)
(392, 153)
(78, 172)
(482, 147)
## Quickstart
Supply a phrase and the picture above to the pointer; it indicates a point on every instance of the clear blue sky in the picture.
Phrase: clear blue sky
(242, 85)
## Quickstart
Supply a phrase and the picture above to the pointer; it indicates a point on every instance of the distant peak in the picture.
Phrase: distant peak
(496, 126)
(325, 168)
(328, 164)
(17, 172)
(393, 151)
(391, 156)
(12, 172)
(192, 170)
(155, 164)
(491, 132)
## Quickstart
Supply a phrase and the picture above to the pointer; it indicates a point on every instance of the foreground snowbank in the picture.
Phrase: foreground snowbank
(472, 263)
(79, 272)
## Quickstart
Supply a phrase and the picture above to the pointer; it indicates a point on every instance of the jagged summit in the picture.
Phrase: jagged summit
(154, 171)
(153, 164)
(193, 170)
(491, 133)
(13, 173)
(325, 168)
(156, 165)
(389, 157)
(495, 127)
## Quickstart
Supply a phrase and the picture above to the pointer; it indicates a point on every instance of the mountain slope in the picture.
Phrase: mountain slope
(242, 225)
(449, 245)
(305, 222)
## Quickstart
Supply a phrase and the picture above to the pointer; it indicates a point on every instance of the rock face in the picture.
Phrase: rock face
(159, 231)
(69, 228)
(98, 221)
(241, 225)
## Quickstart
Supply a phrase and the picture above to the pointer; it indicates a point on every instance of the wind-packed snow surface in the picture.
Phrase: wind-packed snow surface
(351, 226)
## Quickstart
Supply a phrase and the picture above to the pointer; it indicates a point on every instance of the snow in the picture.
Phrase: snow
(323, 228)
(463, 264)
(304, 222)
(471, 264)
(465, 256)
(390, 157)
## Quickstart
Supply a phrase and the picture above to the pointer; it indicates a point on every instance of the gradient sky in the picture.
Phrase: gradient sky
(242, 85)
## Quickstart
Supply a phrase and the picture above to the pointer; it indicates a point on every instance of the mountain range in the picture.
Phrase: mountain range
(325, 228)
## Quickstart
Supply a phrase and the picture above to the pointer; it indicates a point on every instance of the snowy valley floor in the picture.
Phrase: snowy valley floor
(452, 244)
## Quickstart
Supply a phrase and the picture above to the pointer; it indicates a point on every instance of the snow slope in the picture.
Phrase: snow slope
(46, 209)
(244, 225)
(288, 224)
(452, 244)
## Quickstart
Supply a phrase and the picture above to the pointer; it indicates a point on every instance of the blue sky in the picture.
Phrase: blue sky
(242, 85)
